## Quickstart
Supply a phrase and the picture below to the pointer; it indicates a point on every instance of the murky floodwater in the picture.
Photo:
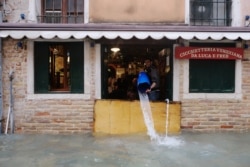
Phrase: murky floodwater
(196, 150)
(134, 150)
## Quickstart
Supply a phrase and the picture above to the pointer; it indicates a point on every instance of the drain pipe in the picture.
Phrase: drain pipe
(1, 90)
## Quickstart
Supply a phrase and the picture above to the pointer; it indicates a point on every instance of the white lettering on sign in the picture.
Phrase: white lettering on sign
(221, 50)
(198, 50)
(222, 56)
(204, 56)
(212, 53)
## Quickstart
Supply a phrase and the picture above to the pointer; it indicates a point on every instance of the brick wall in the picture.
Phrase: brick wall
(76, 115)
(208, 115)
(41, 116)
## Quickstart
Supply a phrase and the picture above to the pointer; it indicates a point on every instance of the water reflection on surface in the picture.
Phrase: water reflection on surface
(206, 150)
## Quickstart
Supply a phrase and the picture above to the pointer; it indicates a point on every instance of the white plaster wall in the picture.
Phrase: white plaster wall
(14, 8)
(98, 71)
(236, 13)
(31, 9)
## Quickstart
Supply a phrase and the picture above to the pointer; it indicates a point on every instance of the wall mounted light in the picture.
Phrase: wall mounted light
(20, 45)
(22, 16)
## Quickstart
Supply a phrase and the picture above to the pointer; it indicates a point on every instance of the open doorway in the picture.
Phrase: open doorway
(120, 67)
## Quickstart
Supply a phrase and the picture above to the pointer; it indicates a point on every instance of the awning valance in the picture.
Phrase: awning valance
(111, 31)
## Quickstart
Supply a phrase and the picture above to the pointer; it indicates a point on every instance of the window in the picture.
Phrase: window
(211, 76)
(120, 69)
(58, 67)
(210, 12)
(62, 11)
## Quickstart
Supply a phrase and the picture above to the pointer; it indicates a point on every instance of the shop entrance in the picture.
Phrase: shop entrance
(122, 60)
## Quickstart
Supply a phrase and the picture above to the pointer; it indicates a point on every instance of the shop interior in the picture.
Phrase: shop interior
(59, 67)
(123, 60)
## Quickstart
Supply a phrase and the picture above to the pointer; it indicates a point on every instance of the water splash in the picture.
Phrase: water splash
(147, 114)
(169, 141)
(149, 122)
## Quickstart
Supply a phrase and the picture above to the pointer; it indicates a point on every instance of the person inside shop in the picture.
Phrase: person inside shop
(132, 92)
(153, 74)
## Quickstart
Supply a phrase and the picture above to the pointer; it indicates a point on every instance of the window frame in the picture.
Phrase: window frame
(64, 15)
(30, 76)
(184, 64)
(217, 19)
(187, 95)
(211, 76)
(42, 74)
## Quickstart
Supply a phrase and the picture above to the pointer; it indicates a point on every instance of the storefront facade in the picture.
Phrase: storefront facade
(61, 70)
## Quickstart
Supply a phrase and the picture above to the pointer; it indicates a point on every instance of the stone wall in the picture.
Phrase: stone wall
(14, 9)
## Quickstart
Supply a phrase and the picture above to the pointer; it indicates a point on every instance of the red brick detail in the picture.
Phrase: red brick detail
(187, 127)
(193, 123)
(42, 114)
(58, 120)
(227, 126)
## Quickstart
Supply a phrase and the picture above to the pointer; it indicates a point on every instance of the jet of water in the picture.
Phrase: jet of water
(147, 114)
(149, 122)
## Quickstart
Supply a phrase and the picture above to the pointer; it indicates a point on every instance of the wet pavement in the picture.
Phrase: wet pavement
(193, 150)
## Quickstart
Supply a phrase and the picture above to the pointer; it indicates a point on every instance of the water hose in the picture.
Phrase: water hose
(10, 116)
(167, 113)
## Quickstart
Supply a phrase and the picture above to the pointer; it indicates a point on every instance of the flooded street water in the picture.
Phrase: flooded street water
(206, 150)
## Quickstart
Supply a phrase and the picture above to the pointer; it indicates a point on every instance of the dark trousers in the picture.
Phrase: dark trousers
(154, 95)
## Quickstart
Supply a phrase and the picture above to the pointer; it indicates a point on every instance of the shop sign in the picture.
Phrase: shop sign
(208, 53)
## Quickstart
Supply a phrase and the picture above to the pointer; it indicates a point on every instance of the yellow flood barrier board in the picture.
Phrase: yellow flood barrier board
(125, 117)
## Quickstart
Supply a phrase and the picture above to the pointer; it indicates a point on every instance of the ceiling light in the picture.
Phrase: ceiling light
(115, 49)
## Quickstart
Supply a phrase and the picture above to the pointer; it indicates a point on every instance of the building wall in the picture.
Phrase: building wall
(134, 11)
(124, 11)
(44, 113)
(218, 113)
(107, 11)
(245, 11)
(13, 10)
(50, 114)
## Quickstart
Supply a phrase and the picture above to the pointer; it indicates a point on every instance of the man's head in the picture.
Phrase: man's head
(147, 62)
